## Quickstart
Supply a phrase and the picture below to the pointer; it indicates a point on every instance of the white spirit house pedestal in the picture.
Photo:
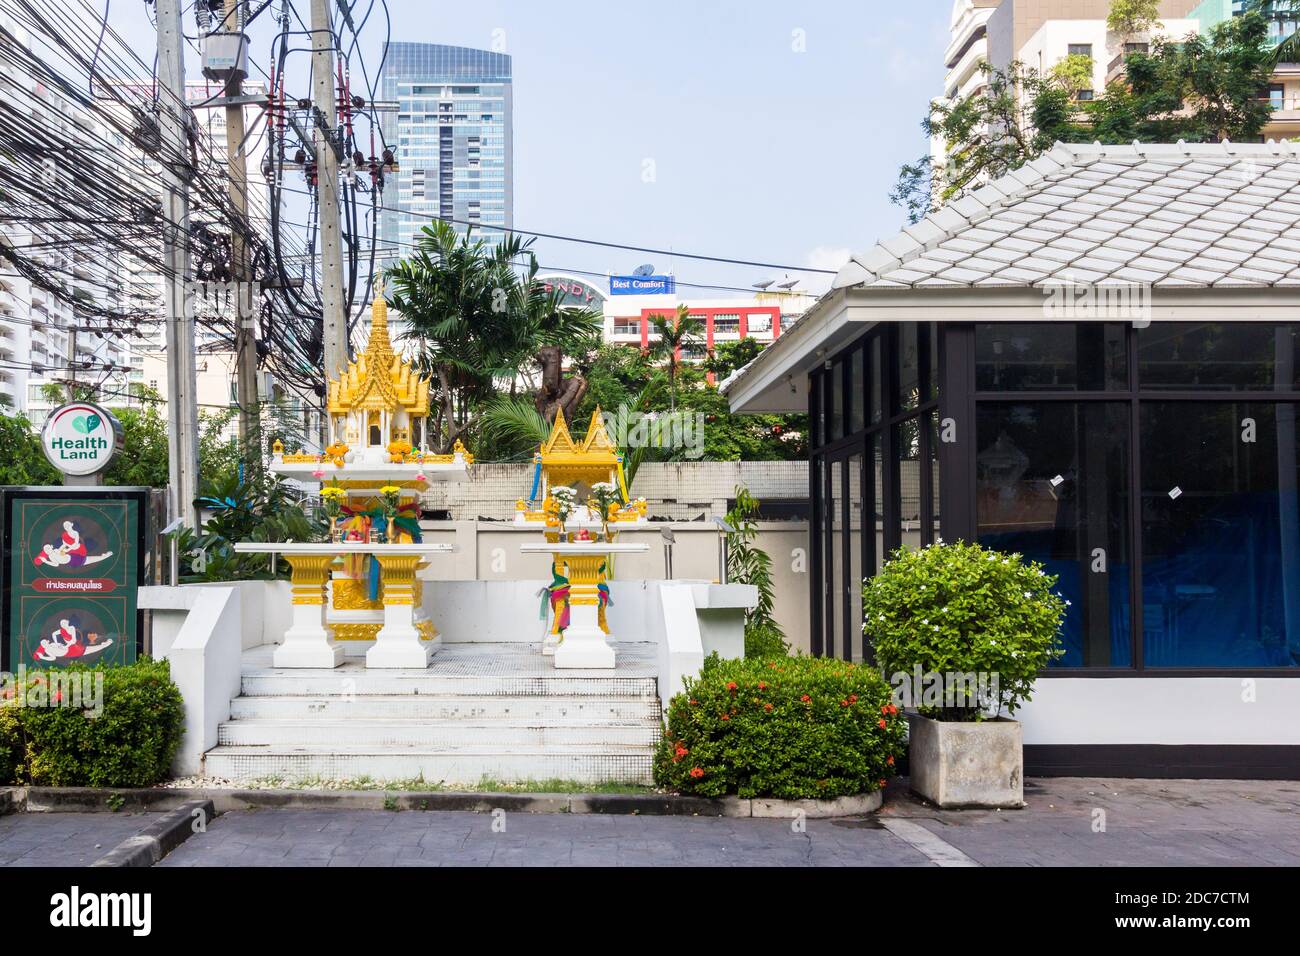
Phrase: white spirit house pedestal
(309, 642)
(584, 643)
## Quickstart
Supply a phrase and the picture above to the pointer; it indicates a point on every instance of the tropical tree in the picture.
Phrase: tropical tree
(483, 328)
(1131, 17)
(23, 462)
(1201, 89)
(674, 333)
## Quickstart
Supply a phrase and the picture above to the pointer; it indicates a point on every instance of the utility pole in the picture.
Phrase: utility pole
(327, 191)
(246, 391)
(182, 410)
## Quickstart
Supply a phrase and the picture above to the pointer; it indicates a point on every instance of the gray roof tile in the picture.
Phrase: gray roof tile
(1172, 214)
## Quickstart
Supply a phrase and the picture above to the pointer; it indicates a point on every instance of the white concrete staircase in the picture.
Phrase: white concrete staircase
(494, 711)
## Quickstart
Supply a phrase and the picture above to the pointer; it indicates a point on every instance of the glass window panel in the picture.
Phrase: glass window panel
(876, 386)
(932, 371)
(878, 496)
(835, 561)
(1220, 535)
(909, 483)
(857, 394)
(835, 421)
(817, 407)
(909, 368)
(1218, 356)
(1067, 357)
(853, 630)
(932, 420)
(1052, 484)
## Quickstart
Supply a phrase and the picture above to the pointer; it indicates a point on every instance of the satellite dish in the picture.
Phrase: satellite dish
(788, 285)
(764, 284)
(645, 270)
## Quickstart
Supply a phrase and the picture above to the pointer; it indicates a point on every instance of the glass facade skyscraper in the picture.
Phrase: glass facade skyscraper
(452, 139)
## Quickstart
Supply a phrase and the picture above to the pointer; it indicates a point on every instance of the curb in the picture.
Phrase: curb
(12, 800)
(159, 838)
(89, 799)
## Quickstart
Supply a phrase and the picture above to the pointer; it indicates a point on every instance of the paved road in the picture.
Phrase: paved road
(1088, 822)
(65, 839)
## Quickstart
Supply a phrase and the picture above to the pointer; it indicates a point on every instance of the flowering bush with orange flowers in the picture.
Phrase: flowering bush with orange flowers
(791, 728)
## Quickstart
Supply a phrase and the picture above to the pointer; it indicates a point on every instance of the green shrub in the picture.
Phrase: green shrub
(8, 746)
(794, 728)
(962, 609)
(129, 744)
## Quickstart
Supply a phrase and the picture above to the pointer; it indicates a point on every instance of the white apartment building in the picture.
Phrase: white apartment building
(1042, 33)
(46, 339)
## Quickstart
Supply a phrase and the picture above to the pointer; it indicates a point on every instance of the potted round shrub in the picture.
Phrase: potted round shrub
(961, 633)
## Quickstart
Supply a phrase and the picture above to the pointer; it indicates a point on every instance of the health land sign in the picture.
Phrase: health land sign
(73, 563)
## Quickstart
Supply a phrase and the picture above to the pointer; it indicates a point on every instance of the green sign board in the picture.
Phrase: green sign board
(73, 561)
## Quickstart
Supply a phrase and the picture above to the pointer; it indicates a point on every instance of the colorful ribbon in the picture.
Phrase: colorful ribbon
(556, 597)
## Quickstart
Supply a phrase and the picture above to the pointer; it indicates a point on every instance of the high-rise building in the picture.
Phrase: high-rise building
(452, 139)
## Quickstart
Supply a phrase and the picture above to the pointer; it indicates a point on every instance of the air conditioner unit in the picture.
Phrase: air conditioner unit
(225, 56)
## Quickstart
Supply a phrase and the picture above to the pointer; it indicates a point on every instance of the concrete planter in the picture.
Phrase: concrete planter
(966, 764)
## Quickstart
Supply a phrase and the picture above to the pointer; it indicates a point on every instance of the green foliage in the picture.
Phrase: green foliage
(23, 462)
(792, 728)
(143, 458)
(1130, 17)
(959, 608)
(1073, 73)
(130, 744)
(673, 334)
(259, 510)
(747, 564)
(1204, 88)
(479, 323)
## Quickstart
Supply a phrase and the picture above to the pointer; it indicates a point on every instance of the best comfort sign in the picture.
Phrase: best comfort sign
(80, 438)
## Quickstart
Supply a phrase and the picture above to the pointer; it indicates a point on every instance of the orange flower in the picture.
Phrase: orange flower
(805, 698)
(697, 772)
(890, 760)
(767, 706)
(762, 685)
(893, 711)
(881, 723)
(882, 781)
(844, 703)
(731, 685)
(682, 751)
(853, 698)
(726, 716)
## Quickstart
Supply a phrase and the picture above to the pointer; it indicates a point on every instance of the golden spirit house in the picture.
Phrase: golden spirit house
(1094, 361)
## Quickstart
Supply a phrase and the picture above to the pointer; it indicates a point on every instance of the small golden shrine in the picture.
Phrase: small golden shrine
(376, 457)
(562, 462)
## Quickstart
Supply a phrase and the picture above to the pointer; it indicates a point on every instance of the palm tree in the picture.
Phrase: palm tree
(1288, 50)
(674, 332)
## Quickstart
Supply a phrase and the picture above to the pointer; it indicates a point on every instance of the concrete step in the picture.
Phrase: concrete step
(287, 683)
(606, 764)
(544, 709)
(457, 735)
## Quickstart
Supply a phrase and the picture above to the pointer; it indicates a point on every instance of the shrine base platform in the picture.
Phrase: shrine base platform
(496, 711)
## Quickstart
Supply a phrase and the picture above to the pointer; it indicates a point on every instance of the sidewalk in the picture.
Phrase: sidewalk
(1068, 821)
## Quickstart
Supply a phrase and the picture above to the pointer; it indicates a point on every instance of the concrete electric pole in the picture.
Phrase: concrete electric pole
(182, 410)
(246, 391)
(327, 191)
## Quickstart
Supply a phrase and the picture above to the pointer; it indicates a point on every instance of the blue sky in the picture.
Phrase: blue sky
(760, 150)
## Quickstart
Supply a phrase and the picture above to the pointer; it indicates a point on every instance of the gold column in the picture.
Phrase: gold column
(308, 576)
(398, 579)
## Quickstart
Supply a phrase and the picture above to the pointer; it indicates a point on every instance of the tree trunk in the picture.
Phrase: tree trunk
(556, 391)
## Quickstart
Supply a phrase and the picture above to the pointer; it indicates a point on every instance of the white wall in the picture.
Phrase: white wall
(1162, 710)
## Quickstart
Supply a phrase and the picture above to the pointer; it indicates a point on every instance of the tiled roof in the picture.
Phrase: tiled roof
(1168, 215)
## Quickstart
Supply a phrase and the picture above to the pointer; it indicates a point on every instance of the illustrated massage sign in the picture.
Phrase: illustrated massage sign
(73, 555)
